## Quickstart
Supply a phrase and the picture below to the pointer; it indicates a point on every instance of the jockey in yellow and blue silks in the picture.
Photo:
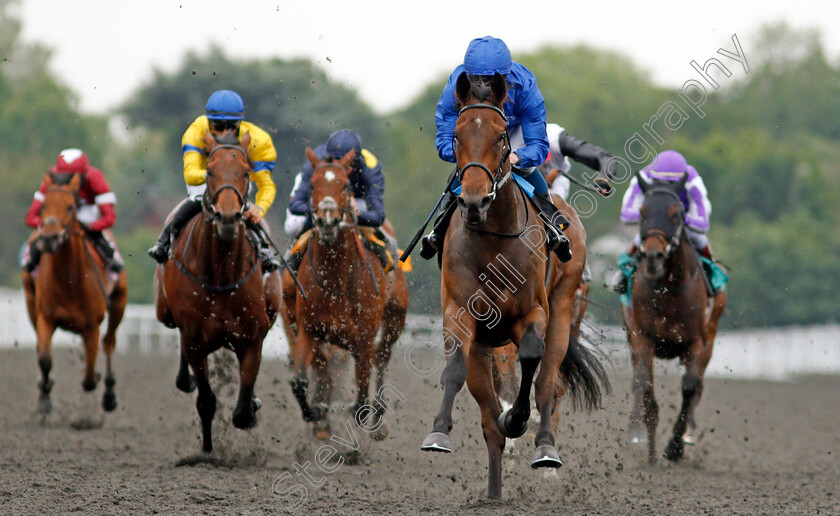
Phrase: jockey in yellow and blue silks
(525, 113)
(224, 113)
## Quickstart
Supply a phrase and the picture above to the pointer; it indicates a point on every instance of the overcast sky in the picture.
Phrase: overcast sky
(388, 49)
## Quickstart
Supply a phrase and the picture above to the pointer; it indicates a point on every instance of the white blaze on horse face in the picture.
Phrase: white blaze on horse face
(329, 175)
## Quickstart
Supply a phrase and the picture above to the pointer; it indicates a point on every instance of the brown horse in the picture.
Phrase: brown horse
(213, 289)
(70, 290)
(670, 315)
(496, 285)
(348, 298)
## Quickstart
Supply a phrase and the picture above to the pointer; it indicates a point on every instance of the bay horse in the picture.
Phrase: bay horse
(348, 299)
(213, 290)
(669, 316)
(495, 288)
(71, 290)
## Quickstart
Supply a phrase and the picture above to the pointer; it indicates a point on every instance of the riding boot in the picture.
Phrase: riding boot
(621, 281)
(268, 258)
(34, 258)
(293, 256)
(433, 242)
(106, 251)
(186, 211)
(555, 222)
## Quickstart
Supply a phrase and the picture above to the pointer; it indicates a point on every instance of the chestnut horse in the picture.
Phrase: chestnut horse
(496, 285)
(213, 289)
(670, 315)
(70, 290)
(348, 298)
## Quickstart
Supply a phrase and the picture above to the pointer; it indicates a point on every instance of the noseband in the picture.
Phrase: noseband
(672, 240)
(497, 178)
(208, 201)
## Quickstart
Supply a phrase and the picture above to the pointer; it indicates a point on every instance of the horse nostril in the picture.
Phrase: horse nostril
(461, 202)
(485, 201)
(218, 216)
(237, 217)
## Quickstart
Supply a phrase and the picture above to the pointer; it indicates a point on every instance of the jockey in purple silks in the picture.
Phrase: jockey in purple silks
(670, 165)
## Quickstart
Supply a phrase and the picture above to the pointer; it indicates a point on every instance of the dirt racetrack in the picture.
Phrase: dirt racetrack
(764, 448)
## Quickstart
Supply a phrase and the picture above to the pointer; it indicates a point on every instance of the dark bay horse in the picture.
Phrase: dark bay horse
(670, 315)
(213, 289)
(70, 290)
(348, 299)
(497, 287)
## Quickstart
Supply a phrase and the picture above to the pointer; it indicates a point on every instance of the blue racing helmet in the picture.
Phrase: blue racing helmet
(487, 56)
(225, 105)
(341, 142)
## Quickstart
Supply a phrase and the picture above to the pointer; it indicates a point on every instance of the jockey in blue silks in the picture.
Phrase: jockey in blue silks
(367, 182)
(525, 113)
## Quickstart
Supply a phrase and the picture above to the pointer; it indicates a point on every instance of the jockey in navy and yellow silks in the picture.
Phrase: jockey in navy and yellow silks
(224, 112)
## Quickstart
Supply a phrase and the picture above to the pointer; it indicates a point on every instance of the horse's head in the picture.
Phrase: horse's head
(58, 211)
(662, 222)
(228, 169)
(329, 193)
(481, 143)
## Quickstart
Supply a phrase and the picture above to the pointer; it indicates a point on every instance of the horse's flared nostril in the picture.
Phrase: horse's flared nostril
(485, 202)
(462, 203)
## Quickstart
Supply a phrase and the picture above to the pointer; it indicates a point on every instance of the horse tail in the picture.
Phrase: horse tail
(584, 375)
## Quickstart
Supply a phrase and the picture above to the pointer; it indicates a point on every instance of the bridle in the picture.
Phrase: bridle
(65, 231)
(499, 177)
(328, 203)
(672, 241)
(208, 200)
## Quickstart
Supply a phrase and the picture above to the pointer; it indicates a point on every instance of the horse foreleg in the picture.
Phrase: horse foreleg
(480, 384)
(696, 360)
(528, 335)
(363, 355)
(116, 309)
(457, 343)
(558, 332)
(273, 303)
(245, 412)
(322, 396)
(91, 343)
(301, 354)
(185, 381)
(645, 410)
(205, 402)
(45, 329)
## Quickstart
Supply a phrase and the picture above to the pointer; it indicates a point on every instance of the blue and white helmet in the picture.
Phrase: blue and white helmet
(225, 105)
(487, 56)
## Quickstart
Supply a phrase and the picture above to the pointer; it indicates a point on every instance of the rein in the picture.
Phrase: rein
(496, 178)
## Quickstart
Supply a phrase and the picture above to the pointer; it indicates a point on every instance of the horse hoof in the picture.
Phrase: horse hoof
(44, 404)
(674, 450)
(109, 401)
(437, 442)
(321, 430)
(637, 437)
(546, 457)
(89, 385)
(244, 422)
(185, 383)
(504, 422)
(380, 433)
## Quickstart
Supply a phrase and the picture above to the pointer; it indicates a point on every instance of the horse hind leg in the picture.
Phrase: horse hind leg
(185, 381)
(116, 310)
(205, 402)
(514, 421)
(323, 362)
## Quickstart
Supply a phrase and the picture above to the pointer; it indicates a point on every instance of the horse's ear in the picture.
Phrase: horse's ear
(209, 141)
(642, 183)
(347, 160)
(75, 182)
(48, 179)
(680, 185)
(499, 89)
(313, 159)
(462, 88)
(245, 142)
